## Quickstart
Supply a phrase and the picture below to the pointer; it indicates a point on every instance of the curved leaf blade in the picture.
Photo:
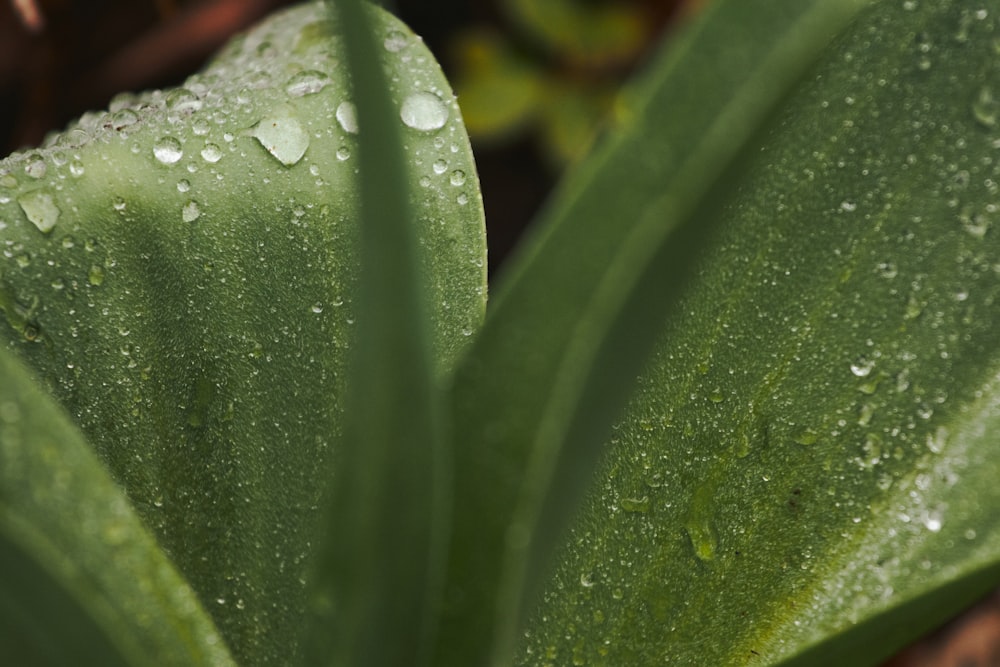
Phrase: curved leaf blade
(181, 271)
(807, 475)
(570, 326)
(82, 581)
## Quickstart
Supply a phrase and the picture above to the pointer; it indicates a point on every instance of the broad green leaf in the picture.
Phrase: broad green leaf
(181, 273)
(380, 568)
(81, 579)
(808, 472)
(572, 323)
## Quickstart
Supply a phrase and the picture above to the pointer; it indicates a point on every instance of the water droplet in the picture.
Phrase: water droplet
(190, 211)
(439, 166)
(587, 580)
(457, 177)
(976, 223)
(424, 111)
(183, 185)
(283, 137)
(307, 82)
(96, 275)
(887, 270)
(76, 168)
(35, 168)
(211, 153)
(862, 366)
(462, 199)
(317, 308)
(168, 150)
(395, 41)
(848, 206)
(636, 505)
(347, 116)
(183, 100)
(40, 209)
(123, 119)
(119, 204)
(200, 127)
(343, 153)
(985, 107)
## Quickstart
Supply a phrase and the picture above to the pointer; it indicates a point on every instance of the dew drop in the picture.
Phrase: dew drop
(35, 167)
(168, 150)
(123, 119)
(424, 111)
(985, 107)
(200, 127)
(307, 82)
(190, 211)
(283, 137)
(343, 153)
(439, 166)
(862, 367)
(76, 168)
(211, 153)
(119, 204)
(183, 185)
(347, 116)
(317, 308)
(462, 199)
(183, 100)
(848, 206)
(636, 505)
(457, 177)
(395, 41)
(96, 275)
(40, 209)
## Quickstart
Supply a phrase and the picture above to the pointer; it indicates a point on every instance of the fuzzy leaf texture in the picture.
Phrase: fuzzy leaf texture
(181, 274)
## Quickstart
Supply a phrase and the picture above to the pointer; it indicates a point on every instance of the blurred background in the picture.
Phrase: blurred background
(535, 79)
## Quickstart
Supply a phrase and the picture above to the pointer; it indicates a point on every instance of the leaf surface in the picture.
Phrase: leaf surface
(182, 271)
(807, 474)
(81, 579)
(573, 320)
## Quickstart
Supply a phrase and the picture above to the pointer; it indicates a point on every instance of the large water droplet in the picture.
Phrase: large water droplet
(347, 116)
(168, 150)
(862, 366)
(985, 107)
(307, 82)
(35, 168)
(191, 211)
(457, 177)
(424, 111)
(283, 137)
(40, 209)
(395, 41)
(211, 153)
(183, 100)
(123, 119)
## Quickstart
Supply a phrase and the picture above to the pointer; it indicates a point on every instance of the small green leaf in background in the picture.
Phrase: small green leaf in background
(181, 273)
(81, 579)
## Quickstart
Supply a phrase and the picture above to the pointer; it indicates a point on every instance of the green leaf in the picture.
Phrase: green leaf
(81, 579)
(572, 322)
(182, 273)
(808, 472)
(379, 571)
